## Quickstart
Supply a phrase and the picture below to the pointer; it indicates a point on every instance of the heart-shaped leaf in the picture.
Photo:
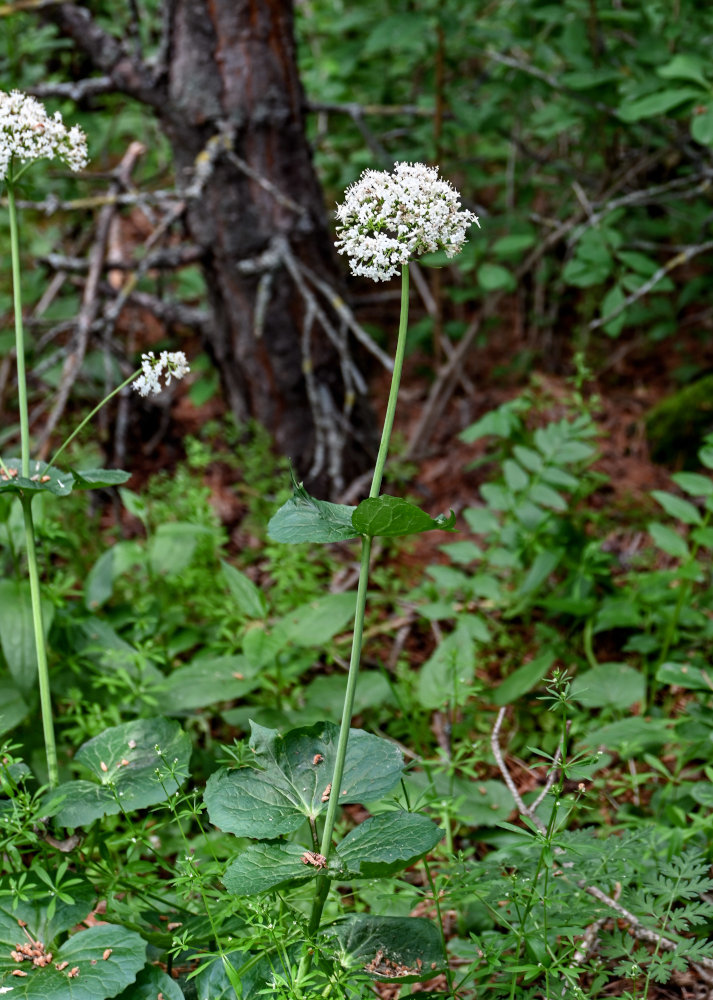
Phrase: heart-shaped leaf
(387, 843)
(124, 760)
(268, 866)
(391, 517)
(305, 519)
(93, 964)
(291, 779)
(389, 949)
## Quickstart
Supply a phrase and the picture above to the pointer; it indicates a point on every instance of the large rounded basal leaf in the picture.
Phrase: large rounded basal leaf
(387, 843)
(123, 761)
(291, 779)
(151, 983)
(268, 866)
(205, 682)
(17, 634)
(42, 478)
(44, 920)
(96, 977)
(391, 517)
(305, 519)
(389, 949)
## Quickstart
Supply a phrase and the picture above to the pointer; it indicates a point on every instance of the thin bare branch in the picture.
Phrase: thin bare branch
(76, 90)
(680, 258)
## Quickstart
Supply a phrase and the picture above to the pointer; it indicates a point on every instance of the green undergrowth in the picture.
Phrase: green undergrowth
(534, 758)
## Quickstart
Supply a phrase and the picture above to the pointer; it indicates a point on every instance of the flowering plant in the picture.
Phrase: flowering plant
(28, 133)
(386, 219)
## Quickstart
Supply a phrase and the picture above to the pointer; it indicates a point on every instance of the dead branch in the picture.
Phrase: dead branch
(680, 258)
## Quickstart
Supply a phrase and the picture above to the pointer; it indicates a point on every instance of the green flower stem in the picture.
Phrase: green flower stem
(19, 332)
(326, 846)
(40, 650)
(394, 390)
(93, 413)
(25, 500)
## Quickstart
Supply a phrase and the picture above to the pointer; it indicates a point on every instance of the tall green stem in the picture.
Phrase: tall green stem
(19, 332)
(326, 845)
(89, 416)
(26, 499)
(40, 650)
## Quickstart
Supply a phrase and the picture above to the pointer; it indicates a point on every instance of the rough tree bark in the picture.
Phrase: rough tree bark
(228, 96)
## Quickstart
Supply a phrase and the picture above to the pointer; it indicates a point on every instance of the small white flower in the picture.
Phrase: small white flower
(28, 133)
(388, 218)
(169, 364)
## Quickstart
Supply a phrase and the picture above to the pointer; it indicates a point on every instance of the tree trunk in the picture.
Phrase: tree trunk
(231, 103)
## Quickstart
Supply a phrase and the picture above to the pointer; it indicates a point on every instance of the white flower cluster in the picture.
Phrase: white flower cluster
(169, 364)
(388, 218)
(28, 133)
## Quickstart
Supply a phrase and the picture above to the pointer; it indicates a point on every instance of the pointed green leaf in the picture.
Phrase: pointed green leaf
(249, 598)
(94, 479)
(123, 760)
(656, 104)
(390, 949)
(291, 777)
(268, 866)
(42, 479)
(305, 519)
(391, 517)
(314, 624)
(684, 66)
(685, 675)
(677, 507)
(694, 483)
(387, 843)
(523, 679)
(206, 681)
(666, 539)
(17, 635)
